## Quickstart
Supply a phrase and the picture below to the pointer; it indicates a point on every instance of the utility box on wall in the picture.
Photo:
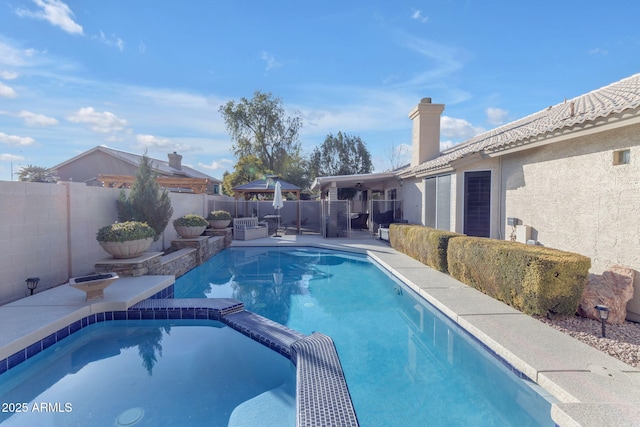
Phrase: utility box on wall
(523, 233)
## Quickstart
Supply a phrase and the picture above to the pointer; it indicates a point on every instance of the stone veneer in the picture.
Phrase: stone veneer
(184, 255)
(147, 263)
(206, 246)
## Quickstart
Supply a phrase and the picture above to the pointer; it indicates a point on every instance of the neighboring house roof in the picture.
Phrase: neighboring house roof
(617, 98)
(134, 159)
(265, 185)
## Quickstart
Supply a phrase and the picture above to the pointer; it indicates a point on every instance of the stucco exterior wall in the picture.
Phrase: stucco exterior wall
(49, 231)
(412, 196)
(457, 183)
(574, 198)
(84, 170)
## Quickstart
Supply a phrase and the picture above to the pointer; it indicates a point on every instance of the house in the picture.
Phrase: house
(566, 177)
(88, 166)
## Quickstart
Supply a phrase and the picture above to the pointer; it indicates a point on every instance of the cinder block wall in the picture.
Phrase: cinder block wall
(48, 231)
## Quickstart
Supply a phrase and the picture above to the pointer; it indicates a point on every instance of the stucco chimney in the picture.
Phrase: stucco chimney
(175, 161)
(426, 131)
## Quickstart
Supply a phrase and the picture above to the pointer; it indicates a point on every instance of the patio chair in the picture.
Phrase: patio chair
(360, 222)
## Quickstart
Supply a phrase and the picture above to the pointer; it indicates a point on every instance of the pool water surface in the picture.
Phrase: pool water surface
(405, 363)
(151, 373)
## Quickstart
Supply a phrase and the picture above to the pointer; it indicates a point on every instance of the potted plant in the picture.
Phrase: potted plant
(219, 219)
(190, 226)
(126, 239)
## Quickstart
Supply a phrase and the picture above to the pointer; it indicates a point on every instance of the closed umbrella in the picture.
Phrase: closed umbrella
(278, 203)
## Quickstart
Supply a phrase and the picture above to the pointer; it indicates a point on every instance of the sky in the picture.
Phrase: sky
(152, 75)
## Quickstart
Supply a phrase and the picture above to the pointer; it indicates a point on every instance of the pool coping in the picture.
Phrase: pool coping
(322, 395)
(590, 388)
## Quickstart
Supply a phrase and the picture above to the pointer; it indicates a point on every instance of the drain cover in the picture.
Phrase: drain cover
(130, 417)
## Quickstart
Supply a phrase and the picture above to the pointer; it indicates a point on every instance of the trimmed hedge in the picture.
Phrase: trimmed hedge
(533, 279)
(427, 245)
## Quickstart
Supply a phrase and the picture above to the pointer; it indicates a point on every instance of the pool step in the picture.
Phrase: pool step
(273, 408)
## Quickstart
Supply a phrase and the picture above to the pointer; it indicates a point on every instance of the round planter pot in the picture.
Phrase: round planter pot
(189, 232)
(219, 223)
(128, 249)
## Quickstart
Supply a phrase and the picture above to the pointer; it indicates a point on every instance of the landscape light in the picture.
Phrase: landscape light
(603, 313)
(32, 283)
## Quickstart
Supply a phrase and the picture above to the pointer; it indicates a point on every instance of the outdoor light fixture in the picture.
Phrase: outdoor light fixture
(603, 313)
(32, 283)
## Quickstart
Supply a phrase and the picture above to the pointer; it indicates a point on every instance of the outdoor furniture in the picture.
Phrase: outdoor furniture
(360, 221)
(248, 229)
(272, 221)
(383, 233)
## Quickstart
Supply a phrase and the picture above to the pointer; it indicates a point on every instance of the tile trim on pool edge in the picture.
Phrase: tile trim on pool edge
(322, 394)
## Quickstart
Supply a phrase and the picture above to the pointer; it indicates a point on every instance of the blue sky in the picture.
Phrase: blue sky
(136, 75)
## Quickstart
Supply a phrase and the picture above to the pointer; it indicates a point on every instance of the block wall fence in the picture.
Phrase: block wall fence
(49, 230)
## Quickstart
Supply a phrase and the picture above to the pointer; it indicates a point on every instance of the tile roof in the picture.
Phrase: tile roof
(609, 100)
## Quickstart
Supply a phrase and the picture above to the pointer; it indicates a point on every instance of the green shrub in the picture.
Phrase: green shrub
(533, 279)
(190, 220)
(125, 231)
(219, 215)
(147, 202)
(427, 245)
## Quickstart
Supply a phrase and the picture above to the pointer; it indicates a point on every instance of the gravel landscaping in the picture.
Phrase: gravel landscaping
(622, 341)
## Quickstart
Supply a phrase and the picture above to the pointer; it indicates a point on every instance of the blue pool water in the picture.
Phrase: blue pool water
(405, 363)
(151, 373)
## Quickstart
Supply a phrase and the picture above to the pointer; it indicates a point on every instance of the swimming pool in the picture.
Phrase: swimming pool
(405, 363)
(151, 373)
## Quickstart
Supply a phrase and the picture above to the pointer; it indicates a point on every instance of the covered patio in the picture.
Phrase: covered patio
(369, 202)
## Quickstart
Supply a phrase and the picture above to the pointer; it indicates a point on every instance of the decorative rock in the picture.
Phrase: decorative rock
(614, 288)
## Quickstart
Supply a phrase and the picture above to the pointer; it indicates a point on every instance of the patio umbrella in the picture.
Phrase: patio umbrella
(278, 203)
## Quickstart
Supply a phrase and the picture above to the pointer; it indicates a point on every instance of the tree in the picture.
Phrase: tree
(37, 174)
(340, 155)
(146, 202)
(248, 168)
(260, 127)
(399, 155)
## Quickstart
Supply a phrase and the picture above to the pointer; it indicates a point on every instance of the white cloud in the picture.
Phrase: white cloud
(5, 157)
(496, 116)
(102, 122)
(111, 40)
(270, 60)
(598, 51)
(33, 119)
(14, 140)
(418, 16)
(459, 129)
(8, 75)
(153, 141)
(56, 13)
(222, 165)
(445, 145)
(6, 91)
(150, 141)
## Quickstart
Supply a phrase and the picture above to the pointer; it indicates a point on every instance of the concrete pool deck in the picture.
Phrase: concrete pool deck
(592, 388)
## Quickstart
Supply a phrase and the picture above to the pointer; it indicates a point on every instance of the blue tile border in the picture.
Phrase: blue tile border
(322, 394)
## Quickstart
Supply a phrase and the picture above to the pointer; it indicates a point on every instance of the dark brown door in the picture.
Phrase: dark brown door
(477, 204)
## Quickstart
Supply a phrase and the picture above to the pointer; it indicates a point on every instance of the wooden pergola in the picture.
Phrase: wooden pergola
(196, 185)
